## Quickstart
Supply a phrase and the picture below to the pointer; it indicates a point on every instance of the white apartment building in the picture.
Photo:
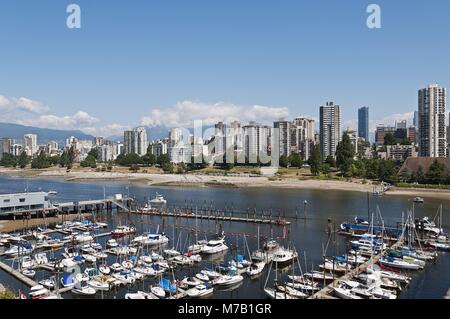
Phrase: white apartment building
(30, 144)
(330, 129)
(302, 137)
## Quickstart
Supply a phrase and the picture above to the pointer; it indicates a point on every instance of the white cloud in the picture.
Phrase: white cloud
(186, 112)
(79, 120)
(22, 104)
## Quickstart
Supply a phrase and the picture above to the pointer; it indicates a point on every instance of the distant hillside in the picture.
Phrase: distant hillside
(17, 132)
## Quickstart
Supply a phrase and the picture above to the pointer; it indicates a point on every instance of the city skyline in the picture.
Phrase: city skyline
(171, 72)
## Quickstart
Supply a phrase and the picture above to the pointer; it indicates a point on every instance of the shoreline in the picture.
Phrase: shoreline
(203, 180)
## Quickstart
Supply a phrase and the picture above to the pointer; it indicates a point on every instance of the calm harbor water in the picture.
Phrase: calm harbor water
(308, 237)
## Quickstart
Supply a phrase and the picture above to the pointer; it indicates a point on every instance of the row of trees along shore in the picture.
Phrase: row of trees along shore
(347, 163)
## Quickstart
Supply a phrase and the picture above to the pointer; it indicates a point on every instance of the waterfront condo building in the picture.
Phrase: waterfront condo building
(432, 128)
(302, 137)
(135, 141)
(30, 144)
(330, 129)
(284, 137)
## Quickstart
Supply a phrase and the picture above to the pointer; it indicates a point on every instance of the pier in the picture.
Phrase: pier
(327, 291)
(221, 217)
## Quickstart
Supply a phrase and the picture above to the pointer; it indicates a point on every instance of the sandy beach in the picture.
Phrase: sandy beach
(203, 180)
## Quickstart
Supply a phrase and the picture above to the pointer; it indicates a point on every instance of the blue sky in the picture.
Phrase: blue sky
(142, 61)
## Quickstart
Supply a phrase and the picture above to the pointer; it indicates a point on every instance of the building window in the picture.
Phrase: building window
(22, 200)
(6, 201)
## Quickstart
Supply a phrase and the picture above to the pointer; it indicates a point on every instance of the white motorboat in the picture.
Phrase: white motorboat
(158, 200)
(136, 275)
(182, 260)
(84, 237)
(49, 283)
(192, 281)
(28, 272)
(199, 291)
(68, 263)
(52, 193)
(214, 246)
(22, 249)
(124, 278)
(151, 239)
(228, 280)
(146, 271)
(41, 259)
(158, 291)
(112, 243)
(98, 284)
(83, 289)
(196, 258)
(171, 252)
(100, 255)
(127, 264)
(140, 295)
(255, 268)
(211, 273)
(419, 200)
(116, 267)
(27, 262)
(202, 277)
(89, 258)
(284, 256)
(104, 269)
(197, 248)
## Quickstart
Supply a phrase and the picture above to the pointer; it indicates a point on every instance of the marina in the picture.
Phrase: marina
(257, 258)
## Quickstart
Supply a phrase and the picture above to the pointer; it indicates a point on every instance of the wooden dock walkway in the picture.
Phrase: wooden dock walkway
(28, 281)
(216, 217)
(327, 291)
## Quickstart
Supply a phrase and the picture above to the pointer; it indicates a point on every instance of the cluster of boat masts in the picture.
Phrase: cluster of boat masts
(143, 257)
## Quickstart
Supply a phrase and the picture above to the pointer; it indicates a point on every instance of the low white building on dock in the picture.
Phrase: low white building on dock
(23, 202)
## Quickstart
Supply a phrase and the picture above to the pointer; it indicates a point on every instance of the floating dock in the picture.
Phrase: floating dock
(327, 291)
(221, 217)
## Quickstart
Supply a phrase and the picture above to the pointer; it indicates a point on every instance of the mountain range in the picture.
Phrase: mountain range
(16, 131)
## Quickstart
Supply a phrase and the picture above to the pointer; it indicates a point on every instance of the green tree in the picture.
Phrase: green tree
(389, 139)
(94, 153)
(284, 162)
(163, 159)
(315, 161)
(437, 173)
(41, 161)
(345, 153)
(326, 168)
(23, 160)
(295, 160)
(330, 161)
(8, 160)
(89, 161)
(148, 159)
